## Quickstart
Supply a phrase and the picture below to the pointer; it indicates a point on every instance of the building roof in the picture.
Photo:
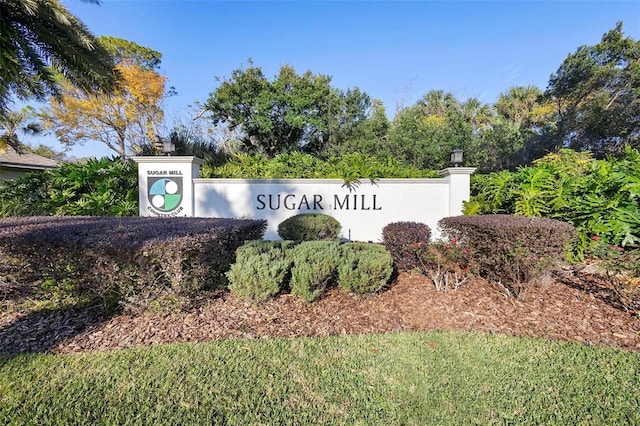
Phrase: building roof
(25, 160)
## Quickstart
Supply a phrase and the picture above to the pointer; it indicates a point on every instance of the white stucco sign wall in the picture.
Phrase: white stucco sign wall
(362, 210)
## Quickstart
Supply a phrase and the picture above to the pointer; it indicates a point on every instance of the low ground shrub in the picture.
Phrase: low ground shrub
(309, 227)
(448, 264)
(401, 239)
(511, 251)
(265, 268)
(621, 270)
(365, 268)
(261, 270)
(315, 266)
(258, 247)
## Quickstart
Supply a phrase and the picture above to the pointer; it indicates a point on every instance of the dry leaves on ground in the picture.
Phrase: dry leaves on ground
(568, 306)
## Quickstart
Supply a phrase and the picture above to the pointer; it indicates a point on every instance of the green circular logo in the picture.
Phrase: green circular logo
(165, 194)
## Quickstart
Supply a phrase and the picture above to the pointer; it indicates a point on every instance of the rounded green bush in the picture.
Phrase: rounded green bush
(364, 268)
(256, 247)
(261, 270)
(309, 227)
(315, 265)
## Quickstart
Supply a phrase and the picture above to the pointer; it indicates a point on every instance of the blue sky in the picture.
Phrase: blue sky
(395, 51)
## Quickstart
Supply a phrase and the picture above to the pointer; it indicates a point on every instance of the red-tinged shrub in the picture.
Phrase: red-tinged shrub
(448, 264)
(401, 240)
(129, 259)
(511, 251)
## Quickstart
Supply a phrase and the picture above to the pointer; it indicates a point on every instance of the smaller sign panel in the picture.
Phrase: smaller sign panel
(166, 185)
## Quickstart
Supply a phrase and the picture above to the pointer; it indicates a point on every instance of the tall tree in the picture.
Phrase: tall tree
(436, 103)
(519, 104)
(370, 136)
(596, 91)
(124, 120)
(12, 124)
(424, 134)
(519, 130)
(41, 40)
(122, 49)
(477, 114)
(291, 112)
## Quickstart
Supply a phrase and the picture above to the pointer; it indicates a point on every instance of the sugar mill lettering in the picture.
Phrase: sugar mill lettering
(315, 202)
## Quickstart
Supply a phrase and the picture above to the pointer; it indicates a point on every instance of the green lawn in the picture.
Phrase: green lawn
(396, 379)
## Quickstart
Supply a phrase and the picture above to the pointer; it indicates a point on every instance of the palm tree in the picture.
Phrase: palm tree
(518, 104)
(438, 102)
(476, 113)
(40, 40)
(13, 121)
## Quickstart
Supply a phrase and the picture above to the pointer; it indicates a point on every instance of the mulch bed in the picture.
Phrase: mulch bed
(569, 305)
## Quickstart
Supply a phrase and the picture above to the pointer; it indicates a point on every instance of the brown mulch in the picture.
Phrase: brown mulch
(569, 305)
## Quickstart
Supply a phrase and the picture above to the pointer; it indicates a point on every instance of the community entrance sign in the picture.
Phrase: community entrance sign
(170, 186)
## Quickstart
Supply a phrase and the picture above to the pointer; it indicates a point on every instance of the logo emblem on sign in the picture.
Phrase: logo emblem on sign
(165, 194)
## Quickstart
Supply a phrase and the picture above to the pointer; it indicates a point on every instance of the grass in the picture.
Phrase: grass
(397, 379)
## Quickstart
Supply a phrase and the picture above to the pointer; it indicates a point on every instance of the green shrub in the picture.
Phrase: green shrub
(104, 187)
(258, 247)
(315, 265)
(261, 270)
(598, 197)
(349, 167)
(401, 239)
(309, 227)
(364, 268)
(511, 250)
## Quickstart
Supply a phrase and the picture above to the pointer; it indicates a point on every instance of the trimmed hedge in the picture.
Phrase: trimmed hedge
(401, 239)
(511, 250)
(124, 260)
(309, 227)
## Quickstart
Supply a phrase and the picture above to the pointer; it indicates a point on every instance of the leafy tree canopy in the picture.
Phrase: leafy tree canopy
(41, 44)
(424, 134)
(596, 91)
(124, 120)
(368, 137)
(519, 130)
(288, 113)
(141, 56)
